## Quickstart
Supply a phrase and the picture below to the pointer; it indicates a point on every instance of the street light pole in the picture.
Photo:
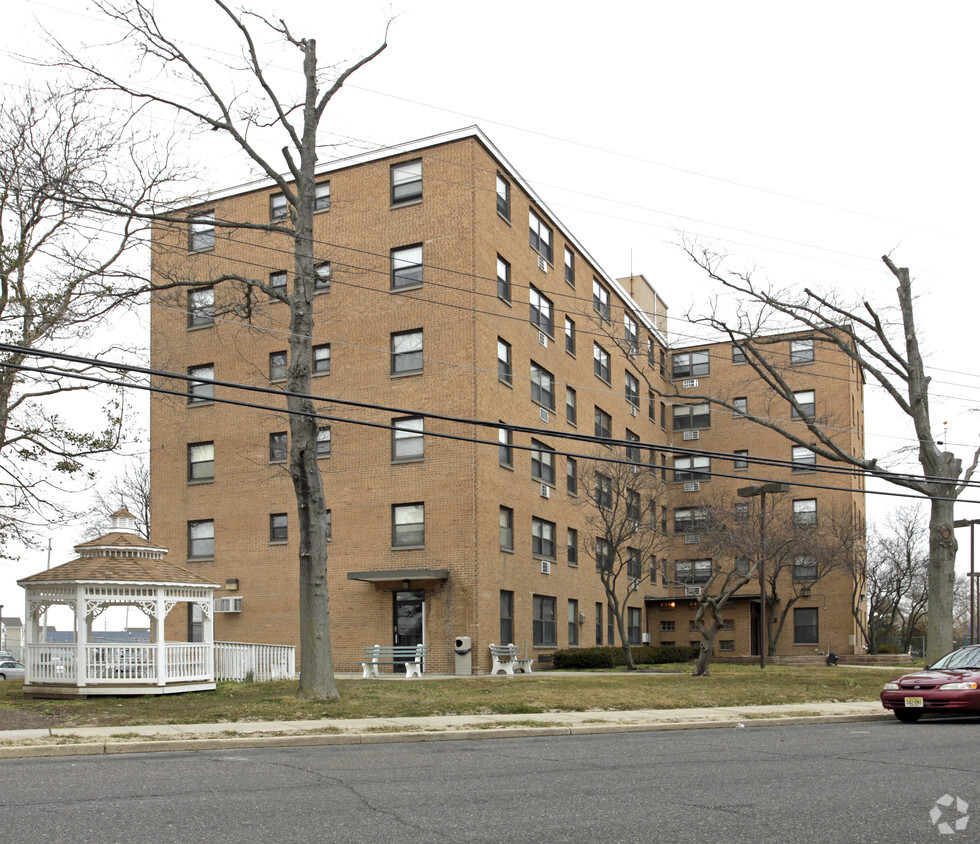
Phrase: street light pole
(973, 578)
(750, 492)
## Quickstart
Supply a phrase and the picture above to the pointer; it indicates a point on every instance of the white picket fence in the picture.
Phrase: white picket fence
(243, 661)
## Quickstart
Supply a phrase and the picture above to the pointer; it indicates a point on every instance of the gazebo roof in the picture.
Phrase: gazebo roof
(117, 570)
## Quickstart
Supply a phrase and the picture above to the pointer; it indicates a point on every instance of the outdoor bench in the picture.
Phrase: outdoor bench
(505, 659)
(411, 656)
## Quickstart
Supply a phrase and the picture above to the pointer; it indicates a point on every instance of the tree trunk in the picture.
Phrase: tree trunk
(702, 669)
(942, 577)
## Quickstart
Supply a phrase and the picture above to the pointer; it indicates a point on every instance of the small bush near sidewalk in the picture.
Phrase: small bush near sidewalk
(586, 658)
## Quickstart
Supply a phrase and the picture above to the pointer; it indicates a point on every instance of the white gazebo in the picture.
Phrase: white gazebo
(116, 570)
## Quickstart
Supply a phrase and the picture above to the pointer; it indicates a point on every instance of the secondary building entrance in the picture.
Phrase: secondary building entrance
(409, 619)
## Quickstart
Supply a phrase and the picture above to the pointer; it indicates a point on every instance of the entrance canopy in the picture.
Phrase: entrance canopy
(413, 575)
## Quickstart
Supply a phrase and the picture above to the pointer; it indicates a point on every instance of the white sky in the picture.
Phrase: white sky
(806, 139)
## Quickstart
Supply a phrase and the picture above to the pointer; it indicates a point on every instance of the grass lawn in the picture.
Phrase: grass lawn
(728, 685)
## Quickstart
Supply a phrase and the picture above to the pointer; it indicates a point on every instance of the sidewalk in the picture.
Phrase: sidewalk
(78, 741)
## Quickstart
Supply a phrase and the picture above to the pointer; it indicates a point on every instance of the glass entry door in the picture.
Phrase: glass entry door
(409, 620)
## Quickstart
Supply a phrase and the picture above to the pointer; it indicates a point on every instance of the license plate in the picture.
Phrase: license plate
(913, 702)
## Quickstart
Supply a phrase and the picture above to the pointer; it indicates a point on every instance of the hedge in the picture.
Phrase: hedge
(583, 658)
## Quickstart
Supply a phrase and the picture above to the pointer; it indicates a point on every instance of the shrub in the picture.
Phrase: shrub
(611, 657)
(888, 649)
(581, 658)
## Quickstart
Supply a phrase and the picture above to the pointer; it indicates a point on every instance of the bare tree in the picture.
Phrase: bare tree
(621, 497)
(71, 189)
(243, 103)
(887, 353)
(129, 490)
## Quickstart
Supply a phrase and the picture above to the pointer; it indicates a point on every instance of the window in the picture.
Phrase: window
(572, 547)
(323, 443)
(804, 460)
(503, 279)
(806, 629)
(632, 389)
(200, 307)
(201, 232)
(328, 520)
(505, 451)
(322, 275)
(408, 525)
(321, 201)
(542, 386)
(633, 630)
(406, 181)
(804, 568)
(506, 616)
(805, 511)
(571, 406)
(503, 209)
(726, 644)
(200, 540)
(407, 439)
(406, 352)
(572, 622)
(278, 447)
(801, 351)
(278, 527)
(571, 475)
(690, 519)
(692, 468)
(741, 407)
(603, 424)
(667, 626)
(540, 236)
(195, 623)
(542, 538)
(406, 267)
(541, 311)
(600, 299)
(806, 401)
(544, 633)
(603, 555)
(690, 364)
(598, 625)
(506, 529)
(663, 416)
(569, 336)
(321, 359)
(569, 266)
(277, 281)
(633, 508)
(633, 451)
(200, 462)
(542, 462)
(600, 362)
(197, 391)
(277, 366)
(651, 406)
(692, 571)
(634, 567)
(692, 416)
(504, 372)
(631, 334)
(742, 511)
(741, 460)
(603, 491)
(738, 354)
(278, 208)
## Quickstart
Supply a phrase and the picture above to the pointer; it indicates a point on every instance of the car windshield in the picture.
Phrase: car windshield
(963, 658)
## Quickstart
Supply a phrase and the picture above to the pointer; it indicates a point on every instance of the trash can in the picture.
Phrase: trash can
(463, 650)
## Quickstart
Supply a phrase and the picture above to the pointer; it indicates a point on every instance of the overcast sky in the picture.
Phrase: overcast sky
(806, 139)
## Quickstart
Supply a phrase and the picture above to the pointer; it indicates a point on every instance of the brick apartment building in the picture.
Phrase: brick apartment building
(445, 286)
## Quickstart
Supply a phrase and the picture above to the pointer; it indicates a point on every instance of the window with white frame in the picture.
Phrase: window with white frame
(603, 554)
(321, 200)
(278, 208)
(278, 366)
(632, 389)
(321, 359)
(406, 181)
(200, 307)
(741, 461)
(631, 334)
(740, 406)
(540, 236)
(407, 439)
(200, 462)
(542, 538)
(504, 370)
(569, 335)
(603, 491)
(804, 460)
(506, 616)
(804, 568)
(505, 451)
(544, 623)
(323, 442)
(634, 631)
(278, 527)
(600, 299)
(634, 564)
(200, 539)
(572, 622)
(692, 468)
(600, 362)
(572, 547)
(503, 202)
(406, 267)
(542, 462)
(201, 232)
(806, 401)
(277, 281)
(805, 511)
(406, 352)
(199, 392)
(571, 475)
(541, 311)
(801, 351)
(692, 571)
(571, 406)
(542, 386)
(738, 354)
(408, 525)
(503, 279)
(690, 519)
(322, 276)
(690, 364)
(278, 447)
(506, 529)
(633, 451)
(569, 266)
(692, 416)
(603, 424)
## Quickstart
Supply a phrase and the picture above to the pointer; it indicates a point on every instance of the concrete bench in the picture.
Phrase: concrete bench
(505, 659)
(411, 656)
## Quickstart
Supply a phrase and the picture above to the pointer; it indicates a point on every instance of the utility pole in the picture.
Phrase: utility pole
(751, 492)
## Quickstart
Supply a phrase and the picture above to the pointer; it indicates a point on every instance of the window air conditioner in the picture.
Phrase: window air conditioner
(542, 264)
(227, 604)
(692, 539)
(645, 638)
(692, 591)
(692, 435)
(545, 491)
(545, 567)
(543, 414)
(690, 382)
(693, 486)
(632, 410)
(543, 339)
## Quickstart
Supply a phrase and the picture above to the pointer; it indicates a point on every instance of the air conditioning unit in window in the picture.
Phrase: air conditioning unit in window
(632, 410)
(543, 339)
(692, 538)
(645, 638)
(692, 435)
(545, 491)
(805, 591)
(227, 604)
(690, 382)
(542, 264)
(545, 567)
(543, 414)
(634, 584)
(693, 486)
(692, 591)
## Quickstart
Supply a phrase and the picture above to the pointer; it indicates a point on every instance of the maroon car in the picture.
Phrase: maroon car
(951, 684)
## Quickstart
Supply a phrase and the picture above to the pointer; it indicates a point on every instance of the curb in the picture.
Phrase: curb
(307, 740)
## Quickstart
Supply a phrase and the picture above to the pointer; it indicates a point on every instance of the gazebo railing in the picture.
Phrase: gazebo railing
(50, 663)
(112, 663)
(189, 661)
(129, 664)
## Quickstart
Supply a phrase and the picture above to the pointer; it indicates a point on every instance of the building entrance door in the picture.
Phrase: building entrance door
(409, 620)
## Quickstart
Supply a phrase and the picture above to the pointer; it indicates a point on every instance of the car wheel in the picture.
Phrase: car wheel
(908, 716)
(3, 676)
